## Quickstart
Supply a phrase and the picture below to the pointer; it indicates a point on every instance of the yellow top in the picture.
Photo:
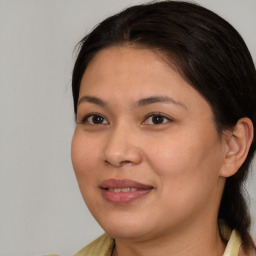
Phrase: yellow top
(103, 246)
(233, 245)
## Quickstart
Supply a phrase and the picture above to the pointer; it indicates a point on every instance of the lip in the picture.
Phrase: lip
(137, 190)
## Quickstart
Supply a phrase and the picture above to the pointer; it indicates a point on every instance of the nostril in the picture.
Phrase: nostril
(118, 164)
(125, 162)
(107, 162)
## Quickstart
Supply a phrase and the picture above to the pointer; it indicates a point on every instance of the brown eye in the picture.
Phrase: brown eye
(156, 119)
(94, 119)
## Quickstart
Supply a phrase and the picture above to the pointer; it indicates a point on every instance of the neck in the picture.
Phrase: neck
(199, 241)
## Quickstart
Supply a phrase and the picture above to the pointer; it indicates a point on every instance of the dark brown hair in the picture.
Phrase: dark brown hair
(210, 54)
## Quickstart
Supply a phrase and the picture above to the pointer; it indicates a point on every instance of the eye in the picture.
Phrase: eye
(94, 119)
(156, 119)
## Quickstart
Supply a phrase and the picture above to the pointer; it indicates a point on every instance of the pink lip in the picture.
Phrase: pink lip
(138, 190)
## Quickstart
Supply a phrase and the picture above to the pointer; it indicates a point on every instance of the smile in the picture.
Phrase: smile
(123, 191)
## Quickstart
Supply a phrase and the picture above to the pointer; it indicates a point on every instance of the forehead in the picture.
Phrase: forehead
(130, 73)
(132, 58)
(119, 65)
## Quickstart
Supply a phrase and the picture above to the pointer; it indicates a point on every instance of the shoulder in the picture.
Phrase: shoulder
(102, 246)
(235, 246)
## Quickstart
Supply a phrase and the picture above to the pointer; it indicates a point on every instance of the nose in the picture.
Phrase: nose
(121, 148)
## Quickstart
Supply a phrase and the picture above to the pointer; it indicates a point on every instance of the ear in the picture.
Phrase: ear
(237, 143)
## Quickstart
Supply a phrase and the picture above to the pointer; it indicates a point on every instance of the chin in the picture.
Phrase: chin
(123, 227)
(126, 233)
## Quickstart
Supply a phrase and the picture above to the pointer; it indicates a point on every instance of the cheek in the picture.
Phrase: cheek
(85, 157)
(187, 173)
(187, 159)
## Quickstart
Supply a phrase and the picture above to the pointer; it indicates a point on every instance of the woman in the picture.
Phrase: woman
(164, 98)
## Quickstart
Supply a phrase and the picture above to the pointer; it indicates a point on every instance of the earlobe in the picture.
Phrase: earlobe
(238, 142)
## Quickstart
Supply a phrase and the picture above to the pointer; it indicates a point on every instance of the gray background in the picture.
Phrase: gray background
(41, 210)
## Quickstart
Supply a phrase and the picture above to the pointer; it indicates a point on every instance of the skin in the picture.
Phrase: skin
(183, 158)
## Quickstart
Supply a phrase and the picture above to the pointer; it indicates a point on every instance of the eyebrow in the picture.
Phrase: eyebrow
(141, 103)
(93, 100)
(158, 99)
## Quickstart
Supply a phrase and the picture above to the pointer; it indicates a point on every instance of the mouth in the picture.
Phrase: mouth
(123, 191)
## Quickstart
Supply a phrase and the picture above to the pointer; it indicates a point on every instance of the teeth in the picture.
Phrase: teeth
(118, 190)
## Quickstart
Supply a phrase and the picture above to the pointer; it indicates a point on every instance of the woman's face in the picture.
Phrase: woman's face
(145, 151)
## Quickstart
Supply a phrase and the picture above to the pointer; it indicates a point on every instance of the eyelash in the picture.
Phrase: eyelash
(151, 115)
(86, 118)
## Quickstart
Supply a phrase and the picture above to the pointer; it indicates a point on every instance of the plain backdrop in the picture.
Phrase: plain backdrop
(41, 210)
